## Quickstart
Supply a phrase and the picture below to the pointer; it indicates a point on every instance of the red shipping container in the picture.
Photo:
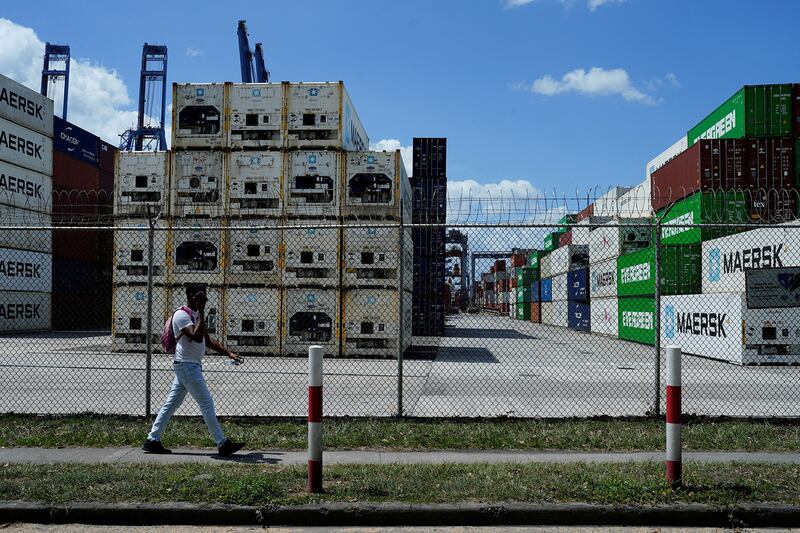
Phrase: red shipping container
(585, 213)
(519, 260)
(565, 239)
(771, 163)
(106, 154)
(536, 312)
(709, 164)
(73, 174)
(76, 245)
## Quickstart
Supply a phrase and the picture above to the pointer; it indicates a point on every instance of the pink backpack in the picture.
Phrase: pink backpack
(168, 339)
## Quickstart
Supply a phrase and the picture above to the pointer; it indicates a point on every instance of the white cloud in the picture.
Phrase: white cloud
(595, 82)
(406, 152)
(511, 4)
(194, 52)
(673, 79)
(98, 98)
(594, 4)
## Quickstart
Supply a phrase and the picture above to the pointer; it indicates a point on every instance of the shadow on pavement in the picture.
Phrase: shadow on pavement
(487, 333)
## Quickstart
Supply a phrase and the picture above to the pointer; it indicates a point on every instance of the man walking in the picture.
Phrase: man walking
(189, 328)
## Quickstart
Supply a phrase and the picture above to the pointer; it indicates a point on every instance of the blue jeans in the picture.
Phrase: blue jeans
(188, 378)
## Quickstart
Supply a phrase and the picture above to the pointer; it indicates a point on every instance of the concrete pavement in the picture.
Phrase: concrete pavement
(371, 457)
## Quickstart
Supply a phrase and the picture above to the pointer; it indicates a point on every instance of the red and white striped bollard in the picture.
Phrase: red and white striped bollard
(674, 471)
(315, 419)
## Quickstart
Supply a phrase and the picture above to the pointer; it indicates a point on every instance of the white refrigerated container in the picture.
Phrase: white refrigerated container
(321, 115)
(141, 183)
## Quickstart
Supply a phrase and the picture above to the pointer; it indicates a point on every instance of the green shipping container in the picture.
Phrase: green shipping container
(524, 294)
(524, 312)
(526, 275)
(551, 241)
(533, 259)
(720, 207)
(754, 111)
(680, 271)
(636, 320)
(566, 220)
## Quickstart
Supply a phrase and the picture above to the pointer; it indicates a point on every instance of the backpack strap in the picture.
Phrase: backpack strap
(188, 312)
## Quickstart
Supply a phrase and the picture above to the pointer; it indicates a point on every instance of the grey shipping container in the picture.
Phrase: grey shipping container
(25, 148)
(26, 107)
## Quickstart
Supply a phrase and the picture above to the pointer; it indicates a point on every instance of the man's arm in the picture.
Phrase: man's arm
(196, 331)
(219, 348)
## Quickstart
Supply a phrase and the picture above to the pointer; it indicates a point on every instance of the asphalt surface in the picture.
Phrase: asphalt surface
(487, 365)
(194, 455)
(84, 528)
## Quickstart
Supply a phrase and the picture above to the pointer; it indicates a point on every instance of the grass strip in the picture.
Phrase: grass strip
(535, 483)
(343, 433)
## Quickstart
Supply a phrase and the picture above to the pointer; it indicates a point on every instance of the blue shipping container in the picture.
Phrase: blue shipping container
(578, 285)
(75, 142)
(546, 291)
(535, 292)
(580, 319)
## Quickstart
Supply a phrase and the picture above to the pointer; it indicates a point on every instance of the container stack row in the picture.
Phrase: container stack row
(253, 197)
(26, 183)
(734, 172)
(83, 183)
(429, 206)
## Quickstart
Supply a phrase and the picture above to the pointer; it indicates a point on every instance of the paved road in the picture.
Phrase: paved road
(486, 366)
(194, 455)
(81, 528)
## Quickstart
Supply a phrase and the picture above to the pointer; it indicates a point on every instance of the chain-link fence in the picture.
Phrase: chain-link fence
(539, 317)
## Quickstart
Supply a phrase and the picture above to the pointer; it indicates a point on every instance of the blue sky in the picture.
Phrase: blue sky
(464, 70)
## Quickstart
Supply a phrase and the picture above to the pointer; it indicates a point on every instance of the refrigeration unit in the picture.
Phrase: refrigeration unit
(129, 323)
(371, 323)
(141, 184)
(310, 317)
(376, 184)
(131, 251)
(311, 257)
(253, 248)
(195, 253)
(721, 326)
(312, 188)
(254, 188)
(252, 320)
(372, 258)
(255, 115)
(198, 115)
(198, 183)
(321, 115)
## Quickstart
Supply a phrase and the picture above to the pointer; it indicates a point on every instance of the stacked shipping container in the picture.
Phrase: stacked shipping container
(429, 197)
(26, 168)
(248, 158)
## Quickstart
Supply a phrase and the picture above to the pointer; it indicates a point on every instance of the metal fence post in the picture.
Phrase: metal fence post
(401, 309)
(657, 319)
(149, 330)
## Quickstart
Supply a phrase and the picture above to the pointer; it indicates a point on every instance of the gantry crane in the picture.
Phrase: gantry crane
(148, 134)
(252, 65)
(52, 72)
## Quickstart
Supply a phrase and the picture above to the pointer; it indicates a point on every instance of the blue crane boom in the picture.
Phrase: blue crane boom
(56, 53)
(152, 102)
(245, 54)
(262, 74)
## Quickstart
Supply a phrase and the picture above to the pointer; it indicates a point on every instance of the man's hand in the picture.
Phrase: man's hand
(237, 359)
